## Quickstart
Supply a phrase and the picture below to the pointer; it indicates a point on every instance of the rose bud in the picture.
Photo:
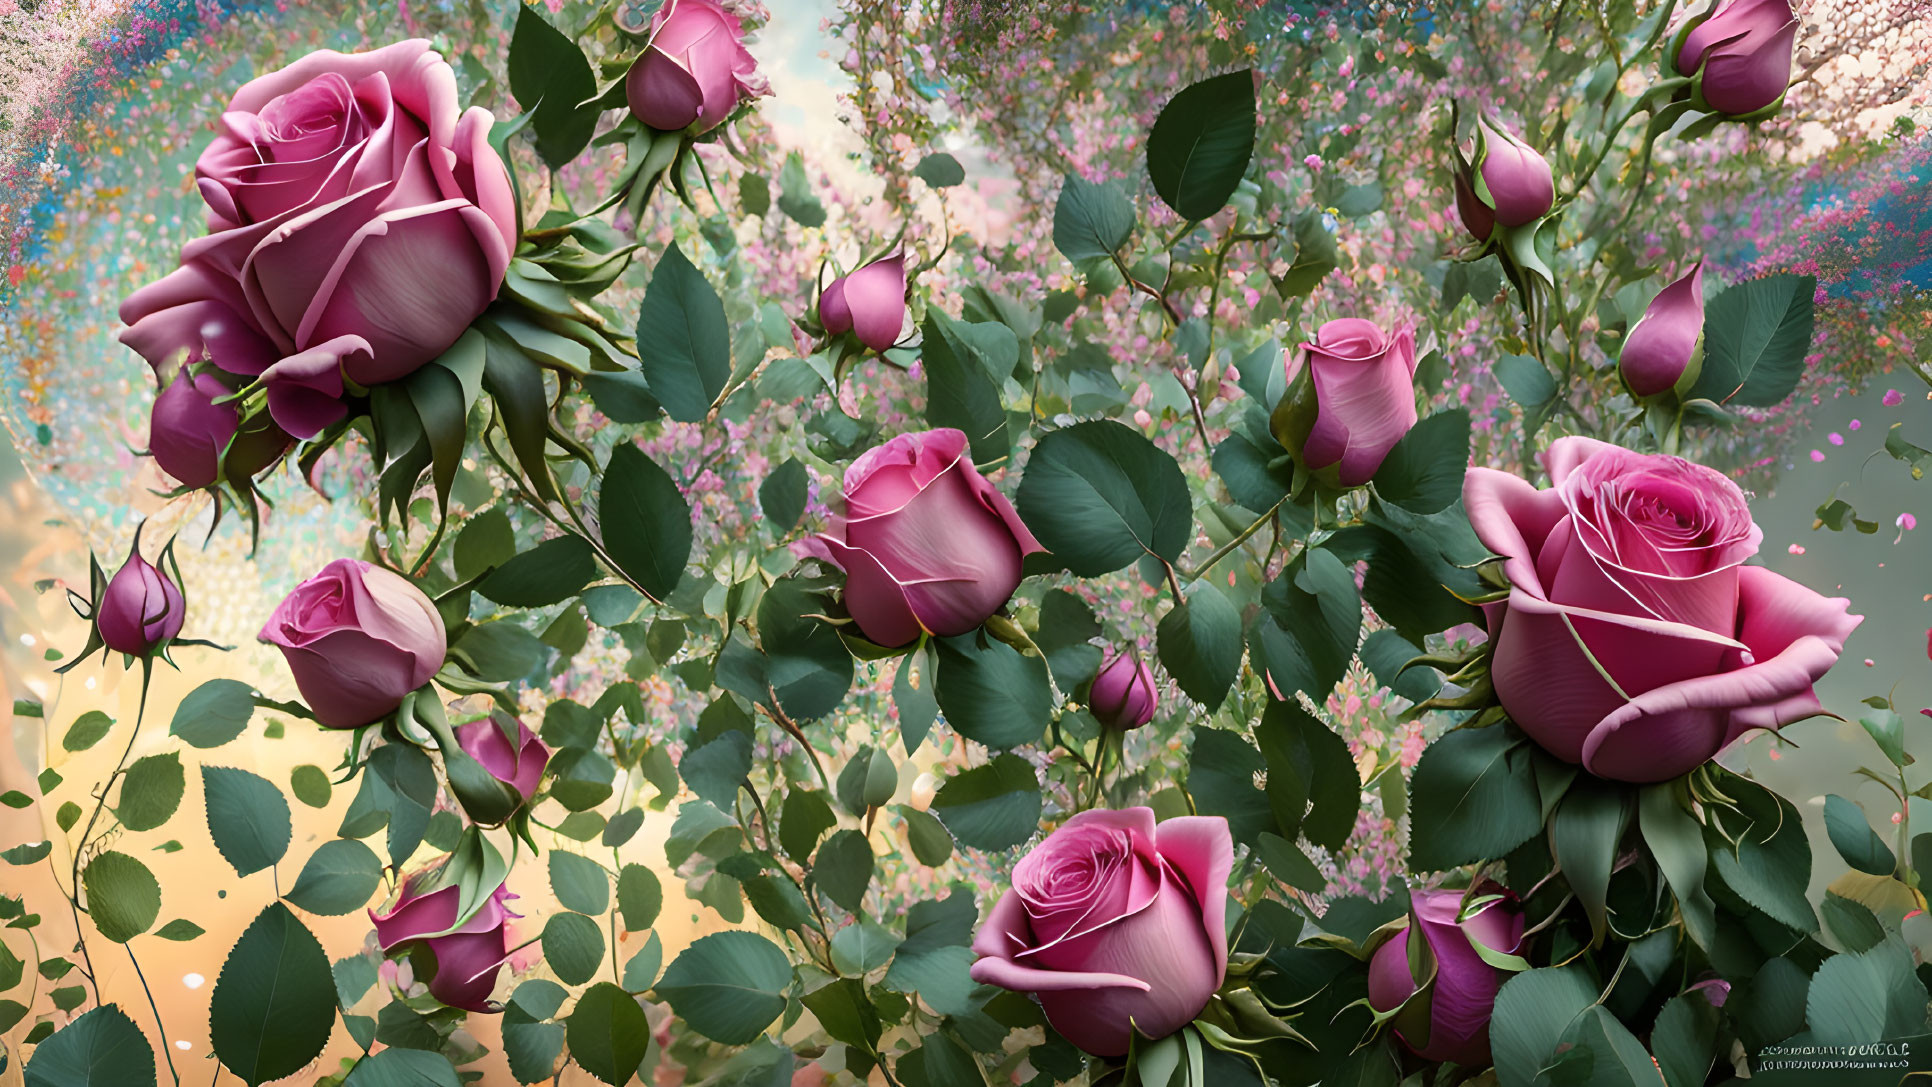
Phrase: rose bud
(1715, 990)
(871, 303)
(926, 543)
(1635, 640)
(468, 950)
(188, 433)
(1350, 398)
(1116, 924)
(1123, 695)
(1516, 183)
(1477, 217)
(141, 609)
(518, 764)
(357, 639)
(1739, 54)
(354, 209)
(1451, 1023)
(695, 71)
(1663, 349)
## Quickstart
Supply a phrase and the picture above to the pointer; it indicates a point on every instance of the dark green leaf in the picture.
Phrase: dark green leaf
(806, 663)
(782, 496)
(1200, 644)
(843, 869)
(991, 807)
(1871, 996)
(573, 947)
(101, 1048)
(715, 770)
(965, 370)
(646, 522)
(1756, 336)
(1313, 620)
(151, 791)
(180, 930)
(844, 1012)
(1221, 773)
(1532, 1014)
(1685, 1040)
(123, 898)
(639, 897)
(1853, 837)
(683, 340)
(248, 817)
(609, 1033)
(805, 817)
(274, 1003)
(311, 785)
(338, 878)
(487, 540)
(553, 571)
(1423, 473)
(395, 1067)
(549, 73)
(1309, 763)
(500, 650)
(940, 170)
(1201, 143)
(1091, 219)
(1472, 798)
(1770, 867)
(579, 883)
(1099, 495)
(87, 730)
(728, 986)
(1584, 837)
(795, 196)
(990, 692)
(1526, 380)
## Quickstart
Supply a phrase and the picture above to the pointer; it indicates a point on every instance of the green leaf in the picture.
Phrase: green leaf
(1386, 654)
(782, 496)
(1525, 380)
(991, 692)
(935, 956)
(338, 878)
(500, 650)
(940, 1062)
(1613, 1055)
(529, 1043)
(1770, 867)
(641, 970)
(1584, 837)
(715, 770)
(646, 523)
(754, 193)
(1888, 732)
(1201, 143)
(87, 730)
(579, 883)
(123, 897)
(550, 74)
(151, 791)
(862, 947)
(1257, 477)
(1472, 798)
(1676, 840)
(795, 197)
(573, 947)
(487, 540)
(843, 869)
(912, 696)
(273, 1006)
(802, 821)
(1200, 644)
(396, 1067)
(1315, 256)
(609, 1033)
(1423, 473)
(213, 713)
(248, 817)
(1852, 924)
(1313, 620)
(1309, 763)
(1532, 1015)
(1091, 219)
(101, 1048)
(31, 853)
(868, 780)
(940, 170)
(991, 807)
(553, 571)
(1685, 1040)
(806, 663)
(639, 897)
(1221, 771)
(311, 785)
(964, 376)
(728, 986)
(1871, 996)
(683, 340)
(1852, 836)
(180, 930)
(1099, 495)
(1756, 336)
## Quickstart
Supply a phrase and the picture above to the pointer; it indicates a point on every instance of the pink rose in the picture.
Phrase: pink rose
(1454, 1016)
(1477, 217)
(1516, 183)
(519, 765)
(871, 302)
(1632, 567)
(358, 222)
(1116, 924)
(189, 434)
(1663, 343)
(468, 950)
(1123, 695)
(926, 543)
(1740, 53)
(696, 69)
(1350, 399)
(357, 639)
(141, 607)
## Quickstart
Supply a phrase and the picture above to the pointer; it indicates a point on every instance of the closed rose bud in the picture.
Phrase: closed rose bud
(1739, 52)
(696, 69)
(1663, 349)
(518, 763)
(1350, 399)
(469, 951)
(1116, 924)
(188, 433)
(141, 607)
(926, 543)
(1477, 217)
(1450, 1022)
(870, 303)
(1520, 189)
(1123, 695)
(358, 638)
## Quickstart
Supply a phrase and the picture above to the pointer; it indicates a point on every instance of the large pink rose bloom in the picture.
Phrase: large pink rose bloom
(1116, 924)
(357, 639)
(358, 222)
(926, 543)
(1356, 401)
(696, 69)
(469, 950)
(1744, 49)
(1453, 1020)
(1640, 560)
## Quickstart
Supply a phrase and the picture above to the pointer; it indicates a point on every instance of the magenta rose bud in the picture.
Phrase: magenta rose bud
(1351, 397)
(695, 71)
(358, 221)
(1454, 1016)
(1714, 990)
(1662, 349)
(1477, 217)
(357, 639)
(1739, 52)
(1520, 188)
(870, 303)
(926, 543)
(1631, 567)
(518, 764)
(1123, 694)
(188, 432)
(468, 950)
(141, 607)
(1115, 924)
